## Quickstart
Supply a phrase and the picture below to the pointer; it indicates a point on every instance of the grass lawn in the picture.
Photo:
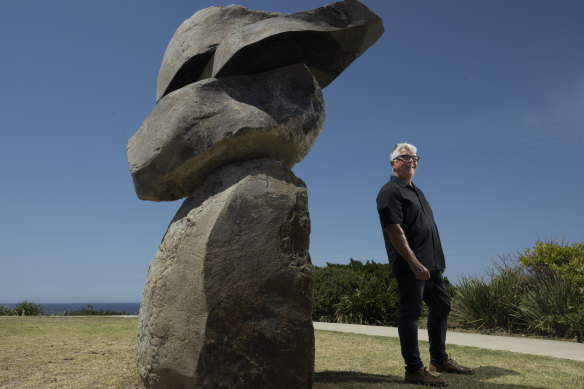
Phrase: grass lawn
(98, 352)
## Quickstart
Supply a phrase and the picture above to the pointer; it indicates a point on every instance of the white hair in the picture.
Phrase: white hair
(399, 147)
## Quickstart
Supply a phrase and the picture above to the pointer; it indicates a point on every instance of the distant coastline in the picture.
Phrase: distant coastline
(60, 308)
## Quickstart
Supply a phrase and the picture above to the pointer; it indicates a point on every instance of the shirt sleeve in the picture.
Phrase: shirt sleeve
(389, 207)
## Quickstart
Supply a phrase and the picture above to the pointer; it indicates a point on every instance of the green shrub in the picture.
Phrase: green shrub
(363, 293)
(574, 320)
(27, 308)
(555, 304)
(555, 307)
(494, 303)
(554, 258)
(540, 291)
(472, 304)
(331, 283)
(6, 311)
(90, 311)
(374, 301)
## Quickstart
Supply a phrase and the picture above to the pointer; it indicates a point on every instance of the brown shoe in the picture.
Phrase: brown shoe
(449, 366)
(422, 377)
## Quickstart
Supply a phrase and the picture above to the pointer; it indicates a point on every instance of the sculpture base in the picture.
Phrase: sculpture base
(228, 299)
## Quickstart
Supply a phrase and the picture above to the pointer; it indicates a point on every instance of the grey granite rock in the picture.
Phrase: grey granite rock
(221, 41)
(203, 126)
(195, 41)
(326, 39)
(228, 299)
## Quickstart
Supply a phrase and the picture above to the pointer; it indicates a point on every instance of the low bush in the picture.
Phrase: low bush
(90, 311)
(373, 301)
(27, 308)
(555, 307)
(492, 303)
(359, 293)
(6, 311)
(540, 291)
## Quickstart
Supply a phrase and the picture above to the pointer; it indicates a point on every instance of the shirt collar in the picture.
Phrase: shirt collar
(401, 182)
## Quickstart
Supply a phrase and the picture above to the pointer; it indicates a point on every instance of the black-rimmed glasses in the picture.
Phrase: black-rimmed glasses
(407, 157)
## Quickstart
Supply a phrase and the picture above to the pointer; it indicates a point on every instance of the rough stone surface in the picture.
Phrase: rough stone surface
(221, 41)
(195, 41)
(228, 299)
(203, 126)
(326, 39)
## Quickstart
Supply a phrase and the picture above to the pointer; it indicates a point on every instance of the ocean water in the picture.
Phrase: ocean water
(59, 308)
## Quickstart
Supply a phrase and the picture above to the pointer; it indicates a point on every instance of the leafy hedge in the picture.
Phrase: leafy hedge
(540, 291)
(355, 293)
(358, 293)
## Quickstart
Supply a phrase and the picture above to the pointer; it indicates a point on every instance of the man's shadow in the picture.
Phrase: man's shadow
(482, 374)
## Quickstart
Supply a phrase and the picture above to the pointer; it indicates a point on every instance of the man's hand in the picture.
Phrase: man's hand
(420, 271)
(399, 241)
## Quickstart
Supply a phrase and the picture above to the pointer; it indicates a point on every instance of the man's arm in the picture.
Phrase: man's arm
(399, 241)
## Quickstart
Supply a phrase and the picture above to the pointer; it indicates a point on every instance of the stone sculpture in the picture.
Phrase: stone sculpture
(205, 125)
(228, 299)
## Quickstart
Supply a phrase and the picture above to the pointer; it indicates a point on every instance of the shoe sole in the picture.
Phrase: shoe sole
(428, 384)
(453, 372)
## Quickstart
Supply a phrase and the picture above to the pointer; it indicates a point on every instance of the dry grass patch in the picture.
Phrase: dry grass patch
(99, 352)
(68, 352)
(346, 361)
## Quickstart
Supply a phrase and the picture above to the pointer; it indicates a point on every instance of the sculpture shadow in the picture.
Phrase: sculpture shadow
(335, 377)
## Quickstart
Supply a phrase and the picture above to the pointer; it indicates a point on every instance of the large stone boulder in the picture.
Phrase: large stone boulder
(203, 126)
(327, 39)
(195, 41)
(228, 299)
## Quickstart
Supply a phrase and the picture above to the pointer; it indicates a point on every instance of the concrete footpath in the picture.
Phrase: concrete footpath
(550, 348)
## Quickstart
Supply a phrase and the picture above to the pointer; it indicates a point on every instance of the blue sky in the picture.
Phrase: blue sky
(491, 93)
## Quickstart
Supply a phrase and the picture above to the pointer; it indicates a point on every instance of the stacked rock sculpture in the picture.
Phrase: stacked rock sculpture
(228, 298)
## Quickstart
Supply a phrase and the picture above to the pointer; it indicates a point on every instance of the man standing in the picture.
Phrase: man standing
(417, 260)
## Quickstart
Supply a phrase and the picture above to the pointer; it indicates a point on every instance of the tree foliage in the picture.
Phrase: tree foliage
(552, 258)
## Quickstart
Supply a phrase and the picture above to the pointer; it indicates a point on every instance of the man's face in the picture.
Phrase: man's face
(405, 165)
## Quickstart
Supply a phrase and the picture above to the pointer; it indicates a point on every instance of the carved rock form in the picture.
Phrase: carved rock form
(228, 298)
(327, 39)
(195, 41)
(205, 125)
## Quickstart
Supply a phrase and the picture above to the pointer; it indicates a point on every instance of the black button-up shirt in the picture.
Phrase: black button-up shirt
(399, 203)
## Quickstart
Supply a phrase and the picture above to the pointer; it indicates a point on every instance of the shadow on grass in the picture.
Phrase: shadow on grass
(493, 371)
(354, 376)
(478, 380)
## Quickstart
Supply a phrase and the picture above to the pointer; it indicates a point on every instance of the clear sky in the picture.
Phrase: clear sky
(491, 93)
